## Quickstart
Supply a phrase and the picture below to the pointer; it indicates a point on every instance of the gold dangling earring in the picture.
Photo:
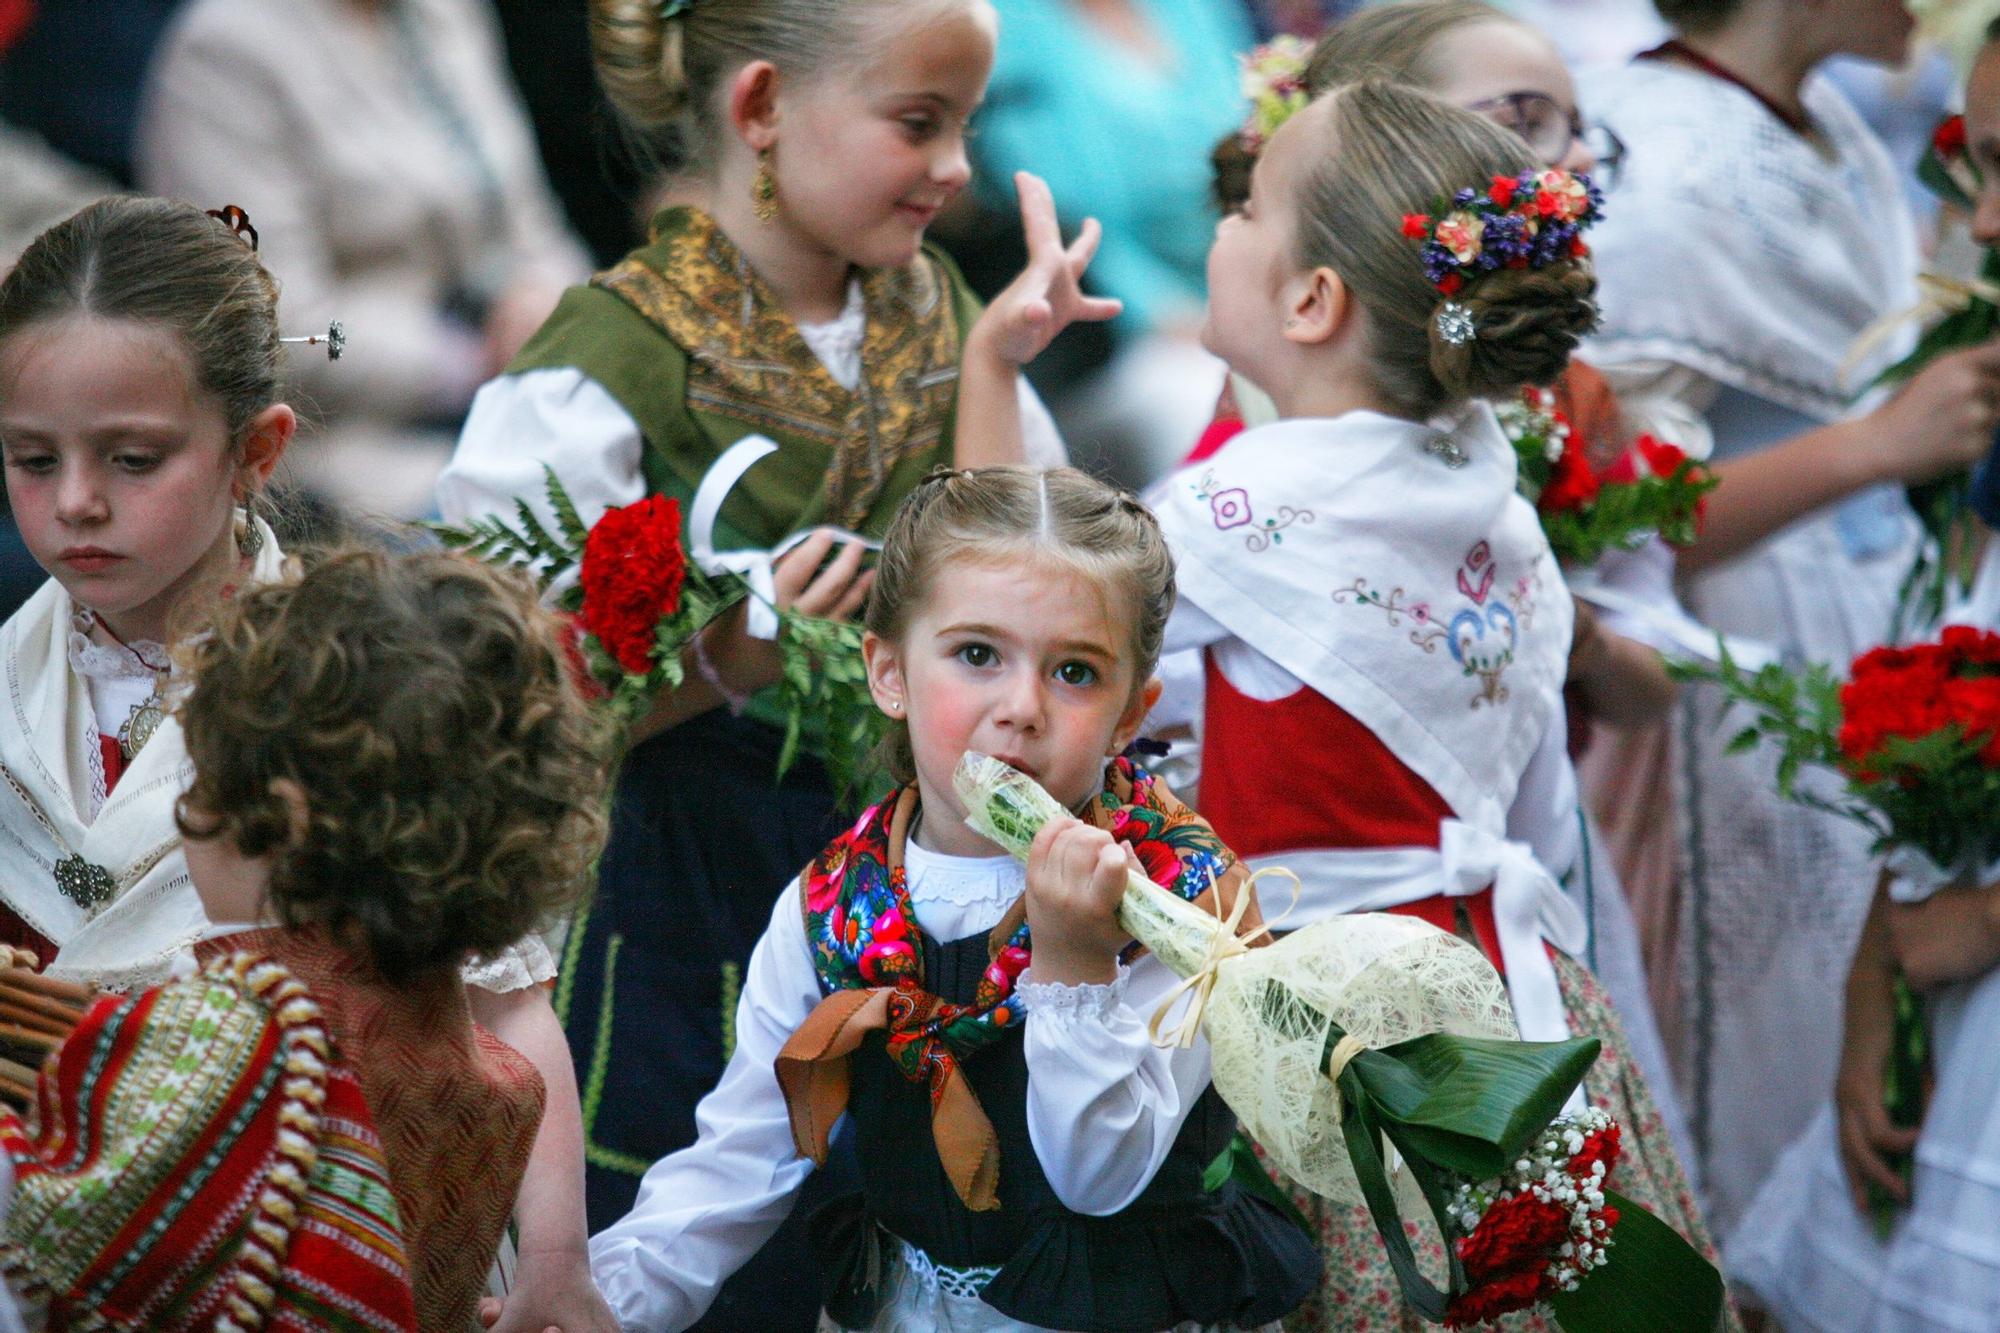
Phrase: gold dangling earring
(764, 189)
(249, 538)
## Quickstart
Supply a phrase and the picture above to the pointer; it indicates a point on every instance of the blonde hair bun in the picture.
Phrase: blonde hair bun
(1527, 323)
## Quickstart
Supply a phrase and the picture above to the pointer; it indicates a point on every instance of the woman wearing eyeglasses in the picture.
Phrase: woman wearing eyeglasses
(1757, 227)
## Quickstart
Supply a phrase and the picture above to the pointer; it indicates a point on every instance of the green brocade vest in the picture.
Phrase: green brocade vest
(696, 348)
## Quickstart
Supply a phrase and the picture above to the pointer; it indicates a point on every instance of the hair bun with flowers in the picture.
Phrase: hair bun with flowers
(1529, 221)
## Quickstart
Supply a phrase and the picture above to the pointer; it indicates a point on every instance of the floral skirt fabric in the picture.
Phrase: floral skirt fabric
(1359, 1293)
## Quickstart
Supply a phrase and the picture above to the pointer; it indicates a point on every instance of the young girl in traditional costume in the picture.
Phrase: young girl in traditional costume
(1810, 1249)
(1734, 140)
(393, 772)
(1029, 1159)
(1478, 57)
(1385, 629)
(787, 294)
(140, 416)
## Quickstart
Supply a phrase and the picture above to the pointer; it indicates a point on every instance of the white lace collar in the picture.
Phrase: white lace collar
(963, 881)
(98, 661)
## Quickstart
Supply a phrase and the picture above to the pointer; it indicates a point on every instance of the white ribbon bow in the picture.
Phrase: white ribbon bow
(1528, 908)
(752, 566)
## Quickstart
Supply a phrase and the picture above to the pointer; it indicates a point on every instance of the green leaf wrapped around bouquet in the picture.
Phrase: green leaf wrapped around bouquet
(1657, 1283)
(1453, 1107)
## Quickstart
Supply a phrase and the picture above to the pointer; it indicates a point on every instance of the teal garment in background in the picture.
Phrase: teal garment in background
(1119, 138)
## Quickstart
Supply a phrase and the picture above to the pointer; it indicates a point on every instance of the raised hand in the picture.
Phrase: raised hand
(1048, 295)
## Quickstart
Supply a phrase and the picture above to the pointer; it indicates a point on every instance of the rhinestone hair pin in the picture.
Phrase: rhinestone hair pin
(1455, 324)
(335, 339)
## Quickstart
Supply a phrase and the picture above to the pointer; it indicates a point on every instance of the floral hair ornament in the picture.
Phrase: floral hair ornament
(334, 339)
(1531, 220)
(1274, 80)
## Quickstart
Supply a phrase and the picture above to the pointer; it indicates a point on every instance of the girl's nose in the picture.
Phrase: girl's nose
(952, 169)
(79, 499)
(1579, 157)
(1020, 703)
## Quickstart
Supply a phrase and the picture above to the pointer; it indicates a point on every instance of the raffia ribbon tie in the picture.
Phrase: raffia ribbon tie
(1231, 941)
(1343, 1054)
(1940, 296)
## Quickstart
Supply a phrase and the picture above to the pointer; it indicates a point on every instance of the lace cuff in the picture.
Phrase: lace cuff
(1060, 1001)
(517, 967)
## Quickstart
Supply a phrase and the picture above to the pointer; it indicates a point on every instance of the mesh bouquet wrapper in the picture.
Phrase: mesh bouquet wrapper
(1372, 1027)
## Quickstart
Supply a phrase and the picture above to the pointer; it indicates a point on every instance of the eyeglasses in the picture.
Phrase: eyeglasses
(1550, 130)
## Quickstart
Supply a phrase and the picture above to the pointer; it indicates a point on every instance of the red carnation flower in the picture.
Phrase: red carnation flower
(1662, 459)
(1450, 283)
(1490, 1300)
(1949, 139)
(1502, 192)
(1572, 484)
(633, 569)
(1603, 1146)
(1416, 226)
(1517, 1230)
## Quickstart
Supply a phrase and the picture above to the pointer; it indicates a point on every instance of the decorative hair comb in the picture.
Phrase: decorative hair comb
(1527, 221)
(1274, 81)
(335, 339)
(234, 218)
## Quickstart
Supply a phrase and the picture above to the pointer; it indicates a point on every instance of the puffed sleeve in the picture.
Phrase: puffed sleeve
(1104, 1103)
(706, 1209)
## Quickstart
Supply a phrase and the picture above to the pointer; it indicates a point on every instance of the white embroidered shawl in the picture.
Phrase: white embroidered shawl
(1419, 596)
(1736, 247)
(53, 766)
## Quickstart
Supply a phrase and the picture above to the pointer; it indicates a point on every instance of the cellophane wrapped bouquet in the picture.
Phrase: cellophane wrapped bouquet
(1363, 1036)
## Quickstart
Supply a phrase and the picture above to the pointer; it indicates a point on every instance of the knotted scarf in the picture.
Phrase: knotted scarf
(864, 939)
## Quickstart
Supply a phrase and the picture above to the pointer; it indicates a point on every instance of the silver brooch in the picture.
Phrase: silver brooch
(1455, 324)
(1446, 448)
(85, 884)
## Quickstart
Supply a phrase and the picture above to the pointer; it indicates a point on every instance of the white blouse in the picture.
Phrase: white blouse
(1104, 1104)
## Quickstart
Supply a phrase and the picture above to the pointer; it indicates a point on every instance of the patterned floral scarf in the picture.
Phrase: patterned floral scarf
(862, 932)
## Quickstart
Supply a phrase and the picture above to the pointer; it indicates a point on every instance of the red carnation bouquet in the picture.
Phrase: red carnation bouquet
(1653, 487)
(1915, 734)
(638, 602)
(1537, 1231)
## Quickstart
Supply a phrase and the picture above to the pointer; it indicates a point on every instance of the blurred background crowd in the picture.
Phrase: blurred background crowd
(432, 173)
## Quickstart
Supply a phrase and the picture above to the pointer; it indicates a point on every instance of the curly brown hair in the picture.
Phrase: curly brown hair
(454, 777)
